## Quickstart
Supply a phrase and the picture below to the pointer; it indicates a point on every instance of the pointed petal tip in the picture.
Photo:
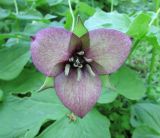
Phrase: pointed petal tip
(78, 96)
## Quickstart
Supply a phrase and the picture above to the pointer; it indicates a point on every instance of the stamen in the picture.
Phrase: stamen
(71, 59)
(67, 69)
(80, 66)
(90, 70)
(88, 59)
(79, 74)
(77, 60)
(75, 65)
(80, 53)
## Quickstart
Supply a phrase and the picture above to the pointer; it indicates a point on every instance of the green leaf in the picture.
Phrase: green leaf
(49, 16)
(111, 20)
(93, 125)
(54, 2)
(128, 83)
(108, 94)
(140, 25)
(15, 59)
(22, 117)
(29, 15)
(4, 13)
(83, 7)
(145, 132)
(1, 95)
(34, 27)
(153, 37)
(27, 81)
(68, 23)
(17, 41)
(80, 29)
(146, 115)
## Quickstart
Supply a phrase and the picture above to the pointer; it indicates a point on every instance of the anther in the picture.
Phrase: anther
(71, 59)
(88, 59)
(67, 69)
(75, 65)
(79, 74)
(80, 53)
(80, 66)
(90, 70)
(77, 61)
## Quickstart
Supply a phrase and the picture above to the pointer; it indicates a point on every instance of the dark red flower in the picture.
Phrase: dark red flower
(76, 62)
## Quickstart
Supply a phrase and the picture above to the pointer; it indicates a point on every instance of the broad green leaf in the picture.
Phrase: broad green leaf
(153, 36)
(80, 29)
(34, 27)
(22, 117)
(4, 13)
(111, 20)
(54, 2)
(127, 83)
(49, 16)
(17, 41)
(140, 25)
(155, 31)
(1, 95)
(146, 115)
(93, 125)
(145, 132)
(6, 2)
(27, 81)
(108, 94)
(29, 15)
(85, 8)
(12, 61)
(14, 35)
(68, 22)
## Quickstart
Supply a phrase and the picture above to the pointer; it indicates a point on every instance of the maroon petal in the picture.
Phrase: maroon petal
(50, 48)
(78, 96)
(108, 48)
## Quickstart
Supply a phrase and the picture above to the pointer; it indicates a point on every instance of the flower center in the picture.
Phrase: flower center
(79, 61)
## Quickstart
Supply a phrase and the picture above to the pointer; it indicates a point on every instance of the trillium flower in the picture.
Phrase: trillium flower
(76, 62)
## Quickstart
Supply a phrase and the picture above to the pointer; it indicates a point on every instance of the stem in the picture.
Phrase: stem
(157, 8)
(135, 45)
(72, 14)
(153, 59)
(155, 18)
(16, 6)
(152, 68)
(111, 5)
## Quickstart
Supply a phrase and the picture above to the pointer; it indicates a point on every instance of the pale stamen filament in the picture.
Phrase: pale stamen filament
(90, 70)
(79, 74)
(71, 59)
(80, 53)
(88, 59)
(67, 69)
